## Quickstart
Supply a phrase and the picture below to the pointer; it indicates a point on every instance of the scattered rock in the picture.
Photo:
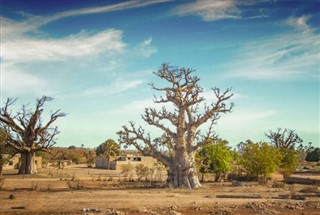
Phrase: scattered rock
(113, 212)
(236, 183)
(12, 196)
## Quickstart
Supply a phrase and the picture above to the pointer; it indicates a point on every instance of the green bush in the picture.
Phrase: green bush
(260, 159)
(214, 158)
(289, 161)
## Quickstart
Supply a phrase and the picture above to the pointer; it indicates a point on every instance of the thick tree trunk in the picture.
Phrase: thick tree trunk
(182, 174)
(27, 164)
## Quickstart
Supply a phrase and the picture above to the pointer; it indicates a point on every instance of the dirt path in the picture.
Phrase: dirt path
(145, 201)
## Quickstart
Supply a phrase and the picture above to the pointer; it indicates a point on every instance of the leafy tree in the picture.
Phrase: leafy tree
(109, 149)
(313, 155)
(181, 125)
(215, 158)
(289, 161)
(72, 147)
(27, 132)
(285, 138)
(259, 159)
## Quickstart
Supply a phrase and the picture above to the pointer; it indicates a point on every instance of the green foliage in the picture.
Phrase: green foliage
(108, 148)
(260, 159)
(289, 161)
(214, 158)
(313, 155)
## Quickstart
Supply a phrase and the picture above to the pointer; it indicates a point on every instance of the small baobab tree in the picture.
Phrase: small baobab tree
(27, 133)
(285, 138)
(180, 126)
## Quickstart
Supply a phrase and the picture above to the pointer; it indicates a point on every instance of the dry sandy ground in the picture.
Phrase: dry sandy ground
(54, 195)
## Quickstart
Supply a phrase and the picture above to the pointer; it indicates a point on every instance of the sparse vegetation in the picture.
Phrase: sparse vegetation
(89, 158)
(127, 171)
(75, 185)
(142, 171)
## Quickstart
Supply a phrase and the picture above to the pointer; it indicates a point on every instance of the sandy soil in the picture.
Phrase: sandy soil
(80, 194)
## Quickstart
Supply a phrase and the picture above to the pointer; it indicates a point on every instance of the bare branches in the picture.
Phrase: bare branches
(184, 89)
(134, 136)
(8, 119)
(153, 117)
(184, 93)
(27, 126)
(217, 107)
(209, 137)
(284, 139)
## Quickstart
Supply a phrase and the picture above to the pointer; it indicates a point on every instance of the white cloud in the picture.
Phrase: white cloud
(299, 22)
(14, 81)
(285, 57)
(145, 49)
(24, 46)
(26, 49)
(210, 10)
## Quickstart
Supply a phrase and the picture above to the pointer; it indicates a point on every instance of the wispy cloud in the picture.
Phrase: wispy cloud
(209, 10)
(134, 108)
(10, 27)
(18, 45)
(116, 88)
(24, 45)
(145, 49)
(299, 22)
(289, 56)
(27, 49)
(14, 81)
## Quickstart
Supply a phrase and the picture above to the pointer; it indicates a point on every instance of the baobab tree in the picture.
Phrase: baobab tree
(27, 133)
(285, 138)
(180, 126)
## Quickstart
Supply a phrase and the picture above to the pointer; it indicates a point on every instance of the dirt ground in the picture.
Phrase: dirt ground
(93, 191)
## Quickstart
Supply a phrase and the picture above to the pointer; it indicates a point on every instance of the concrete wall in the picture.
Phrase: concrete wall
(14, 162)
(102, 162)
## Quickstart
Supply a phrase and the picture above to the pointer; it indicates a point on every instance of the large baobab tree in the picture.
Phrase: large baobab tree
(285, 138)
(180, 126)
(27, 133)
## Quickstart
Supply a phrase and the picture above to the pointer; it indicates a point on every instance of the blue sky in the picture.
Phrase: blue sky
(96, 59)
